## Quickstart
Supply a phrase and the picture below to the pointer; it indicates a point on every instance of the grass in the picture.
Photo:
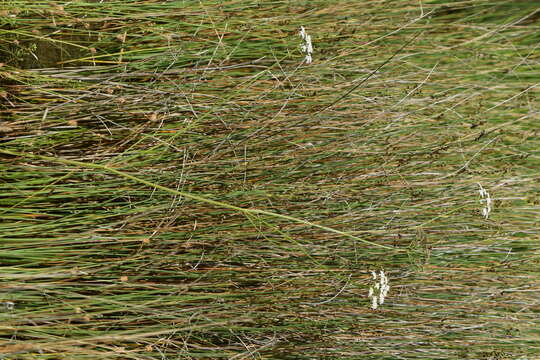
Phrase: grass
(176, 183)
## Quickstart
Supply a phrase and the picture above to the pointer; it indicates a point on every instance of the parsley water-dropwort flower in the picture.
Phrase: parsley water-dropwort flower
(485, 197)
(306, 46)
(379, 290)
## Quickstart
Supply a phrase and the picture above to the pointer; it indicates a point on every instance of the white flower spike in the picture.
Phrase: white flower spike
(379, 289)
(485, 197)
(306, 47)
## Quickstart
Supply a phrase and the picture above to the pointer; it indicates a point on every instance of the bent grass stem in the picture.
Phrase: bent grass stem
(196, 197)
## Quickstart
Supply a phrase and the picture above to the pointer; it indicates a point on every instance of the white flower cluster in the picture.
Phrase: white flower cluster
(306, 46)
(485, 198)
(379, 290)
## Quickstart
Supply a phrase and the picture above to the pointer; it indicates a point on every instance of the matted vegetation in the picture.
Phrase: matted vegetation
(177, 182)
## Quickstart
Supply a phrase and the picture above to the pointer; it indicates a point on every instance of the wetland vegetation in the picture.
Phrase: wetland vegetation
(178, 182)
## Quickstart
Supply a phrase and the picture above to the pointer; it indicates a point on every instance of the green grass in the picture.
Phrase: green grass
(175, 183)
